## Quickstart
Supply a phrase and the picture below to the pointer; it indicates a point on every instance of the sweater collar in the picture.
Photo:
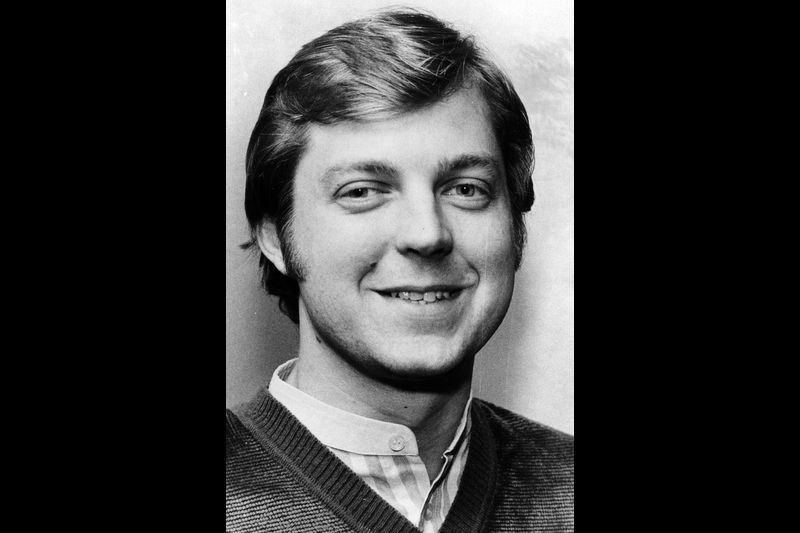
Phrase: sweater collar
(283, 437)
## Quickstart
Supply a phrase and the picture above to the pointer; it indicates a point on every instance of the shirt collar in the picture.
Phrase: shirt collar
(347, 431)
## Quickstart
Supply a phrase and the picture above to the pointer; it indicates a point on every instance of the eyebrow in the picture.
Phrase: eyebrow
(378, 168)
(445, 166)
(469, 161)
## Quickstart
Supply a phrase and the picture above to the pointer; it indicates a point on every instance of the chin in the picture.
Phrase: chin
(411, 369)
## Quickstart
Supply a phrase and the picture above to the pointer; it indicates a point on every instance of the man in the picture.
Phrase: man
(387, 180)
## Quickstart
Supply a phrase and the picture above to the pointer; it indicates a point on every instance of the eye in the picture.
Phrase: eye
(472, 194)
(465, 190)
(361, 192)
(361, 196)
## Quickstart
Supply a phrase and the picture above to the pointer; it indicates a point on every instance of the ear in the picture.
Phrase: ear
(270, 245)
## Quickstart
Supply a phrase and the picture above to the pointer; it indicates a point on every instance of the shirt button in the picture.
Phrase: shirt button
(397, 443)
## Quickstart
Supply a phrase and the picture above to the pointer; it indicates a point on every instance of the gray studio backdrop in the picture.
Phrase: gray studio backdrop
(528, 365)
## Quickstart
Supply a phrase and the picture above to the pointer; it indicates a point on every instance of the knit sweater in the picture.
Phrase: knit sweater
(280, 478)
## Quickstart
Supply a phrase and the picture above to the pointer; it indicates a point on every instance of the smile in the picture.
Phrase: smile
(423, 298)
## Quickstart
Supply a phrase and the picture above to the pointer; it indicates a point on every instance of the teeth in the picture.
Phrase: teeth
(421, 297)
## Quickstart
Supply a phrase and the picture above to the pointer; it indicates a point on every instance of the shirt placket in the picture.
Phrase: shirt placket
(429, 515)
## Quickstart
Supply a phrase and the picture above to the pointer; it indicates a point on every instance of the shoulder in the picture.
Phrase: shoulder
(535, 470)
(235, 433)
(244, 423)
(516, 429)
(526, 447)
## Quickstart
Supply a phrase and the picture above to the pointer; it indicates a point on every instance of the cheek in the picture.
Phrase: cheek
(339, 246)
(488, 242)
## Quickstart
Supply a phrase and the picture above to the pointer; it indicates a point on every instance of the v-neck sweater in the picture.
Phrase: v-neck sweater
(385, 455)
(279, 477)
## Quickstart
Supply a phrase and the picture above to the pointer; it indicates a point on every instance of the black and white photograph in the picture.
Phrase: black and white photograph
(399, 266)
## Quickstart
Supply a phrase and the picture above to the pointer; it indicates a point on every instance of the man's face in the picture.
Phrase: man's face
(403, 230)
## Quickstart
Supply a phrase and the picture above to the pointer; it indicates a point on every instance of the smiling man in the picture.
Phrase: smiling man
(388, 177)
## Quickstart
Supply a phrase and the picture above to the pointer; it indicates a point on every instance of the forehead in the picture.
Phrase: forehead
(414, 142)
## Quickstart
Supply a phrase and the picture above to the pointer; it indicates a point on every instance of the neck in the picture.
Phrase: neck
(432, 407)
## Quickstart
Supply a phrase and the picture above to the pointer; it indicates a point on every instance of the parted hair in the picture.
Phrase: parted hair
(373, 68)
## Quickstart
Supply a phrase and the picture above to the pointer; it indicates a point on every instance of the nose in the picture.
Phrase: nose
(423, 229)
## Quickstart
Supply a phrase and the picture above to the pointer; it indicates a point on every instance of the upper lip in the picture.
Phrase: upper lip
(446, 287)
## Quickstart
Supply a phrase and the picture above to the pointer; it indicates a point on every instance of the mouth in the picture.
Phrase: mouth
(422, 297)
